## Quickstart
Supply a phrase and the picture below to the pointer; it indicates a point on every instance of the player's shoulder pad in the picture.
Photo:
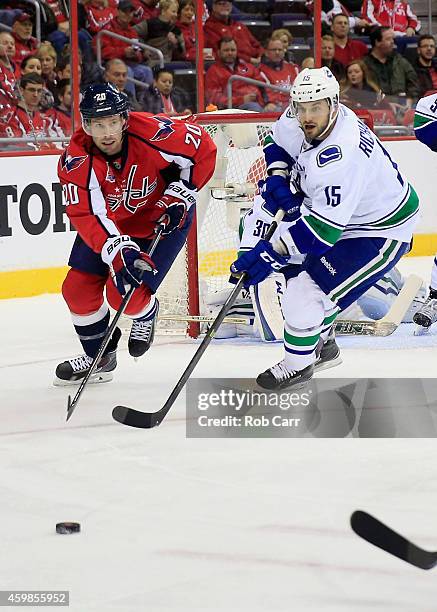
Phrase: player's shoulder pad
(328, 155)
(428, 104)
(74, 163)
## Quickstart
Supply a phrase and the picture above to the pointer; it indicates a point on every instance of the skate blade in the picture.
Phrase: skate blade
(102, 377)
(327, 365)
(421, 331)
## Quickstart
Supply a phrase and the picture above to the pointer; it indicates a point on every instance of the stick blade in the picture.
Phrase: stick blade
(70, 408)
(373, 531)
(135, 418)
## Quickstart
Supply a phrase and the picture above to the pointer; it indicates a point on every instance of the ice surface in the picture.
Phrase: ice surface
(213, 525)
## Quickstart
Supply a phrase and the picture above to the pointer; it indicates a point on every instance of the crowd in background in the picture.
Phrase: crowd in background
(148, 50)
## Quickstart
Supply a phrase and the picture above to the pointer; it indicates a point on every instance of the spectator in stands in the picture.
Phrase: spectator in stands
(394, 14)
(48, 57)
(185, 23)
(220, 25)
(162, 97)
(328, 52)
(116, 73)
(275, 70)
(359, 90)
(25, 43)
(286, 39)
(60, 36)
(334, 7)
(393, 73)
(149, 8)
(163, 33)
(98, 14)
(131, 53)
(308, 62)
(426, 64)
(60, 115)
(9, 72)
(346, 49)
(244, 95)
(31, 63)
(28, 119)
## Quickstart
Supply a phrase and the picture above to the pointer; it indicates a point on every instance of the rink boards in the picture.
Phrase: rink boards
(36, 236)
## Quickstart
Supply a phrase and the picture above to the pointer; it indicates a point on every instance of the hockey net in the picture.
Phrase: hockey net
(239, 138)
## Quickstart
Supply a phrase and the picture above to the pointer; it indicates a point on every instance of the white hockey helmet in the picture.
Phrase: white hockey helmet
(316, 84)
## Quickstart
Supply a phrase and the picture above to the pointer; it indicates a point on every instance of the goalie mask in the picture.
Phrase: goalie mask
(311, 85)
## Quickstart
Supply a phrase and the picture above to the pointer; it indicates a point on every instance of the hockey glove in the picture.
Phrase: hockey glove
(175, 203)
(276, 194)
(258, 263)
(126, 262)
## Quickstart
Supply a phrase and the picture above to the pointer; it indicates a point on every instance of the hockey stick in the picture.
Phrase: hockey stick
(378, 534)
(344, 327)
(146, 420)
(391, 321)
(73, 403)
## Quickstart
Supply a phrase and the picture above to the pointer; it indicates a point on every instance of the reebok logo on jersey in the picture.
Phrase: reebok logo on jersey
(328, 155)
(72, 163)
(165, 128)
(328, 266)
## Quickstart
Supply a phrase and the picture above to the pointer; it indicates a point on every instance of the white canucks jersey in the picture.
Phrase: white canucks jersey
(353, 187)
(425, 121)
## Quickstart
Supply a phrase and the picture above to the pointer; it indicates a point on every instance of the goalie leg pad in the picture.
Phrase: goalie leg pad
(266, 300)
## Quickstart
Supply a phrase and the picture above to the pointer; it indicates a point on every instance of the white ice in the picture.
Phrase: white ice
(176, 524)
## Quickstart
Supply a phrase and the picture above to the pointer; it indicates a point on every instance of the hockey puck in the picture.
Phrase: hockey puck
(67, 527)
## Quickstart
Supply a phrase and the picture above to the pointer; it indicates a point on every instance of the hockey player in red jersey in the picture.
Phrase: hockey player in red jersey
(122, 175)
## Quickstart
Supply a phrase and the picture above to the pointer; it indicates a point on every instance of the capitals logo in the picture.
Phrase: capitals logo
(70, 163)
(165, 128)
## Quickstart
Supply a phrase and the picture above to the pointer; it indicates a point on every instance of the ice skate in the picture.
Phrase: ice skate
(280, 377)
(72, 371)
(329, 355)
(142, 334)
(427, 314)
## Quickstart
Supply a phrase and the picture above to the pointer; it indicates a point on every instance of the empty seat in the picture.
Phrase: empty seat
(260, 28)
(298, 24)
(252, 7)
(288, 6)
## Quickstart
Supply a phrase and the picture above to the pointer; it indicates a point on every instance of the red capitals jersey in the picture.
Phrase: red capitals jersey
(394, 14)
(107, 197)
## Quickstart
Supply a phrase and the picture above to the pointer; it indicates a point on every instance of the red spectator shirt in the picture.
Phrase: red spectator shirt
(60, 121)
(110, 197)
(217, 77)
(113, 48)
(28, 124)
(189, 34)
(248, 46)
(57, 9)
(8, 80)
(283, 75)
(354, 50)
(98, 18)
(394, 14)
(143, 11)
(24, 49)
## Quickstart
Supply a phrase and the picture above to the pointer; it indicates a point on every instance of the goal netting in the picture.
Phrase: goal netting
(240, 165)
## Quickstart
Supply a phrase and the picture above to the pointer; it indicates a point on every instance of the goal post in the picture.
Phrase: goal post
(202, 266)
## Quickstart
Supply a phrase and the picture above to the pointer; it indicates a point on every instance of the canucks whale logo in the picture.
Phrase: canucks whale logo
(328, 155)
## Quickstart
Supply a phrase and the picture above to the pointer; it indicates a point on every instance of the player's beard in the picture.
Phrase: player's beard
(111, 145)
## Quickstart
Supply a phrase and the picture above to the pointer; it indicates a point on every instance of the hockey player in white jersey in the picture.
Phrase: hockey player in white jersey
(425, 128)
(352, 218)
